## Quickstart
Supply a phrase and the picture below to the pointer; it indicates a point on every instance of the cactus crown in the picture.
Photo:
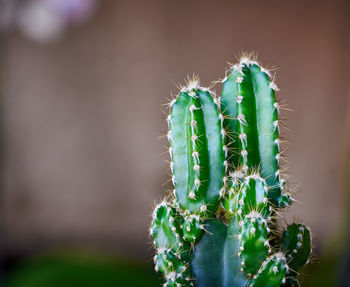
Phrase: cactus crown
(220, 227)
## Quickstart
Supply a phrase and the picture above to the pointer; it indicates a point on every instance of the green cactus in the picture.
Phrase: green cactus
(251, 112)
(196, 150)
(218, 228)
(296, 241)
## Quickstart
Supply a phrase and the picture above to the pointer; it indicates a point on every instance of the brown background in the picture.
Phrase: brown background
(82, 118)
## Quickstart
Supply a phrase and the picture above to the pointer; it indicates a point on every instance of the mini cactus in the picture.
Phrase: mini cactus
(219, 226)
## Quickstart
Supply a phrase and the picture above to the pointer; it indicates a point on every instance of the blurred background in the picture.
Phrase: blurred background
(82, 84)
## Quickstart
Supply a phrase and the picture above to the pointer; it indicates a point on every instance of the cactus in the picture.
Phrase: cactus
(219, 227)
(251, 112)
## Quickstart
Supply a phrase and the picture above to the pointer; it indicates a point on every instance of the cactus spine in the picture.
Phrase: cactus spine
(219, 228)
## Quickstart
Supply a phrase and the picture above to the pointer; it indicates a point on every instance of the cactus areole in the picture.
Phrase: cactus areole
(218, 228)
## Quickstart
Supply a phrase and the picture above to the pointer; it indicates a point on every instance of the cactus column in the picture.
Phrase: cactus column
(196, 150)
(251, 116)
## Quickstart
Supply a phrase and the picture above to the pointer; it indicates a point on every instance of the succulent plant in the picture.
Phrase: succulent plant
(219, 227)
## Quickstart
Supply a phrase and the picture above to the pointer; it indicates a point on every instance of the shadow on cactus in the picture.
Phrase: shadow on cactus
(219, 228)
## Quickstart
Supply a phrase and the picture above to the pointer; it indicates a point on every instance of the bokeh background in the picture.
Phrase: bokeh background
(82, 86)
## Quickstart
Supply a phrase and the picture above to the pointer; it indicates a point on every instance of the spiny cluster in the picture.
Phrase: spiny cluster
(225, 162)
(247, 200)
(172, 249)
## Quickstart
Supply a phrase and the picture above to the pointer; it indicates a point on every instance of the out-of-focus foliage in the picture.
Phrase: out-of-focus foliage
(80, 270)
